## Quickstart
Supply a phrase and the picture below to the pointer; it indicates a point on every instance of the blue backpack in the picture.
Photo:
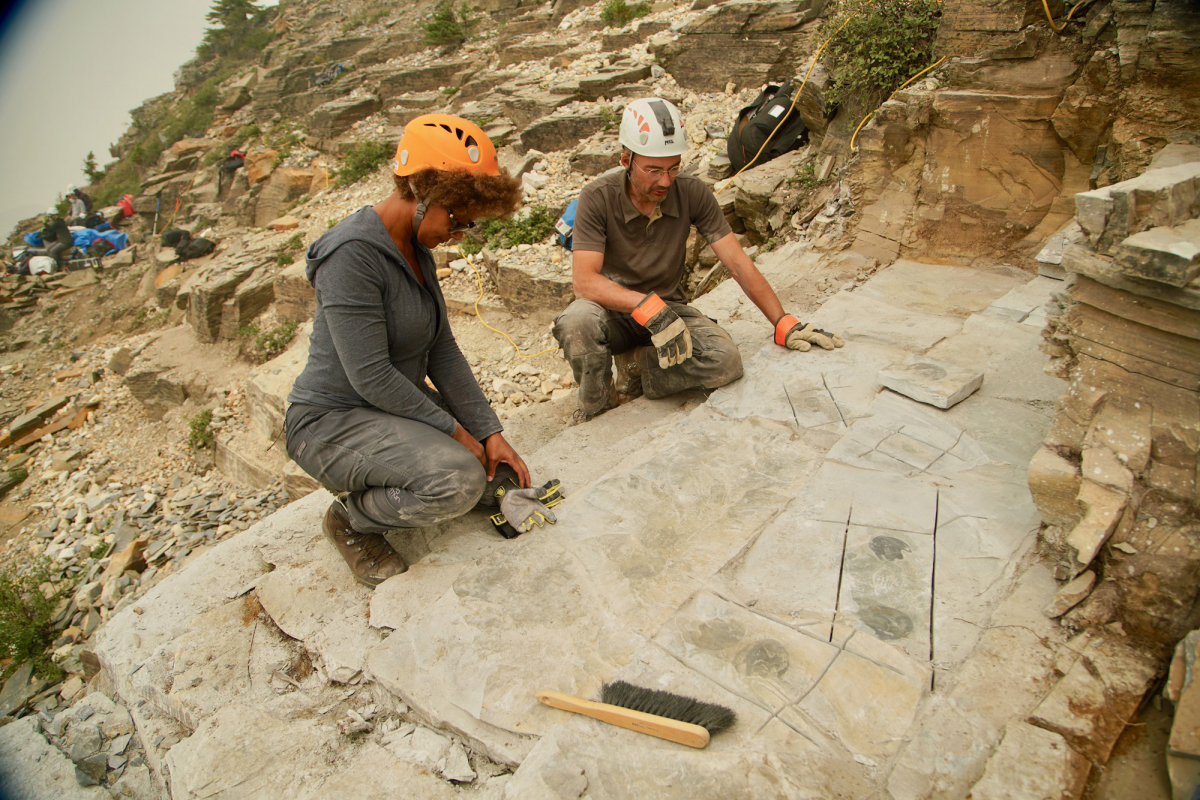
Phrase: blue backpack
(566, 225)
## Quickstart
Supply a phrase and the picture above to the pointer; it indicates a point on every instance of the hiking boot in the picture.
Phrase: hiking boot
(370, 557)
(629, 377)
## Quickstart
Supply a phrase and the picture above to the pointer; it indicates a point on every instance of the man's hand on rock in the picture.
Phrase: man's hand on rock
(796, 335)
(671, 339)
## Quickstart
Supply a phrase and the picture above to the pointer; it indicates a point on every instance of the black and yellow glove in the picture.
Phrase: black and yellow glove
(522, 509)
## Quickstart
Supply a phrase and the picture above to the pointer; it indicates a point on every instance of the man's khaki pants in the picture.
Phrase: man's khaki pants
(590, 335)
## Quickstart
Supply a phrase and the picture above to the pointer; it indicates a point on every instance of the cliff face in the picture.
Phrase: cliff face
(985, 161)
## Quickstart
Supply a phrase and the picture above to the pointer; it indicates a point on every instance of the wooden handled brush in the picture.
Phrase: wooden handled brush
(662, 714)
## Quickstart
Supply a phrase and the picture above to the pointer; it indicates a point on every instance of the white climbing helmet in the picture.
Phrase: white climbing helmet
(653, 127)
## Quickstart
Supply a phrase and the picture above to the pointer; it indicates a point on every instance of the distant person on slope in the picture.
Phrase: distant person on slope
(56, 236)
(362, 421)
(627, 264)
(75, 193)
(232, 163)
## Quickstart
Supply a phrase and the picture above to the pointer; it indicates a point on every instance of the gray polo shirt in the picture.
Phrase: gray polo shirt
(642, 253)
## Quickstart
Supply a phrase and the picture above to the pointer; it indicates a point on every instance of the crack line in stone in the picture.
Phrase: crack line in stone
(793, 405)
(837, 599)
(833, 400)
(841, 647)
(933, 586)
(747, 697)
(945, 451)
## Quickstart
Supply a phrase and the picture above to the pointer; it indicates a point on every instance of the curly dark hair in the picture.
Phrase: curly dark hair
(478, 196)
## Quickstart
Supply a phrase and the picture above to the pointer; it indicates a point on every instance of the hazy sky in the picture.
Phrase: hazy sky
(70, 72)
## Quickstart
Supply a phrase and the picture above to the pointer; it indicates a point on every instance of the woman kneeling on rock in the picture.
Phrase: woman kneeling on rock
(361, 419)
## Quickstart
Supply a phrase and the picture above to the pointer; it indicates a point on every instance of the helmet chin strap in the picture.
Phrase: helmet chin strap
(419, 214)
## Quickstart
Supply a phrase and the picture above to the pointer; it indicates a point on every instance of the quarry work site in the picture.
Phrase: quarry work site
(957, 557)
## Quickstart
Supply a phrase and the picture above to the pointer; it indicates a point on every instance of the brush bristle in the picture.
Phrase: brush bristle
(710, 716)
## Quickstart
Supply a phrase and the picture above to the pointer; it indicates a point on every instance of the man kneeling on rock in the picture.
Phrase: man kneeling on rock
(362, 420)
(628, 258)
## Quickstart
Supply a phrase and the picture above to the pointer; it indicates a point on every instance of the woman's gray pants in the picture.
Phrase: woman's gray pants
(390, 472)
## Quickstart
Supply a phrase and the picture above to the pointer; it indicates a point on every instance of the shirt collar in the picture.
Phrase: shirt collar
(669, 206)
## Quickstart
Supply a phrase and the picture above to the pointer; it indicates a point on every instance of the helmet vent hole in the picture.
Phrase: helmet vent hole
(459, 133)
(470, 141)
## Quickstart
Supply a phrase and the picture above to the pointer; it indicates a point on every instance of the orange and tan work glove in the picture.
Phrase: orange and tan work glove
(668, 333)
(796, 335)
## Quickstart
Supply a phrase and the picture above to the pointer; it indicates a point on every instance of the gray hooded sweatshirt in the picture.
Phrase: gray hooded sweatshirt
(377, 333)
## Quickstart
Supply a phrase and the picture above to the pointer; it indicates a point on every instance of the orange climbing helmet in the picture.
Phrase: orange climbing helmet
(445, 142)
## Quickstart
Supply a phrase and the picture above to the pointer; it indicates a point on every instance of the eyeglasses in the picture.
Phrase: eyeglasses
(456, 226)
(654, 173)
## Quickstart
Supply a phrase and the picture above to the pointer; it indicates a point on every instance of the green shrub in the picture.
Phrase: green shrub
(26, 617)
(93, 173)
(532, 228)
(263, 345)
(361, 159)
(287, 251)
(448, 28)
(618, 13)
(120, 179)
(884, 43)
(199, 433)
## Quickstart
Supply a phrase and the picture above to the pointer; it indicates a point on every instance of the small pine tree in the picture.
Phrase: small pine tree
(233, 23)
(446, 27)
(93, 173)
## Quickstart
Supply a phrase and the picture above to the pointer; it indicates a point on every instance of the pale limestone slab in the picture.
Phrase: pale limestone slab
(928, 380)
(791, 571)
(821, 690)
(1031, 762)
(1003, 679)
(886, 586)
(312, 596)
(33, 769)
(824, 390)
(1025, 299)
(1008, 353)
(1008, 432)
(907, 438)
(648, 529)
(583, 757)
(857, 317)
(940, 289)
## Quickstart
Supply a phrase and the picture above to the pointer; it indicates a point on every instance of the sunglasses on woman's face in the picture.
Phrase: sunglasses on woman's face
(456, 226)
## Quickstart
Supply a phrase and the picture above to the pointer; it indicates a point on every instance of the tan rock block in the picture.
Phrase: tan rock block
(284, 223)
(1100, 466)
(1032, 762)
(1054, 483)
(1070, 595)
(1102, 512)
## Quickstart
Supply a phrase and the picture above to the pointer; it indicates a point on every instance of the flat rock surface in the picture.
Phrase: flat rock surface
(804, 547)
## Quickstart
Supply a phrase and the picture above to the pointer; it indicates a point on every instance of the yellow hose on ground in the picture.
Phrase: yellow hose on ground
(853, 138)
(795, 97)
(1050, 17)
(479, 282)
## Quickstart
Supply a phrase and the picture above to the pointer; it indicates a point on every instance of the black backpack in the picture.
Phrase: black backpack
(171, 237)
(194, 248)
(755, 123)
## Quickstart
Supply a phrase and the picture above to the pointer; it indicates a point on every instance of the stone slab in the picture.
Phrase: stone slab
(906, 438)
(857, 317)
(1008, 353)
(1032, 762)
(940, 289)
(823, 390)
(1166, 255)
(33, 769)
(245, 751)
(1097, 697)
(928, 380)
(625, 553)
(886, 586)
(823, 690)
(1024, 300)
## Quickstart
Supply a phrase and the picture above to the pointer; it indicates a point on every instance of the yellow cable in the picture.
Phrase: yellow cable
(479, 281)
(795, 97)
(853, 138)
(1050, 17)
